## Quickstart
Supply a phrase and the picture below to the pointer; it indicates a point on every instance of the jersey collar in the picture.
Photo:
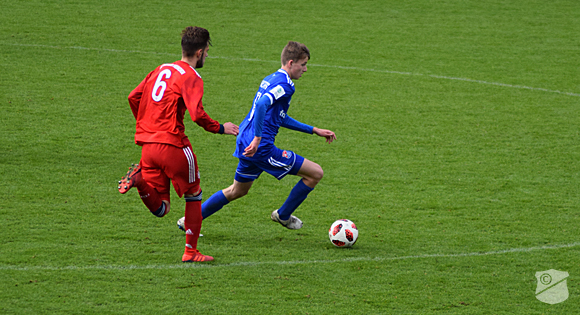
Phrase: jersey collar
(287, 76)
(188, 65)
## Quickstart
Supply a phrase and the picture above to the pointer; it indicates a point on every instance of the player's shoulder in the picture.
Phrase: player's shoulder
(278, 79)
(281, 77)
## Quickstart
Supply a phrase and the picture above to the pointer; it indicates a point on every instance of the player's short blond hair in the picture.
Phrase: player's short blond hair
(294, 51)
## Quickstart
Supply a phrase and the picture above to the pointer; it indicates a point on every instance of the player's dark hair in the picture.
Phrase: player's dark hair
(194, 38)
(294, 51)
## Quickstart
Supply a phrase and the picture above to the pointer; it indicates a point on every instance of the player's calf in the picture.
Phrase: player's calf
(181, 225)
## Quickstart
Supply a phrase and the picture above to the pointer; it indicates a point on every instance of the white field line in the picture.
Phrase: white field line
(282, 263)
(317, 65)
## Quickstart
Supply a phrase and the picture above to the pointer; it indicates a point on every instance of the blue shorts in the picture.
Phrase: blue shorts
(277, 163)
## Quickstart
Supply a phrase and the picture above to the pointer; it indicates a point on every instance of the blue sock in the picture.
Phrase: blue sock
(296, 197)
(213, 204)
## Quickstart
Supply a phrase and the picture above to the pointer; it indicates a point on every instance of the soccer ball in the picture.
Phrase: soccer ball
(343, 233)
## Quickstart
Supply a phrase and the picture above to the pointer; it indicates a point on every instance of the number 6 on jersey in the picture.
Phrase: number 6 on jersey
(160, 85)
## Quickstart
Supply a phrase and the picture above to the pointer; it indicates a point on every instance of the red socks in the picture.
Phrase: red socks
(193, 220)
(151, 199)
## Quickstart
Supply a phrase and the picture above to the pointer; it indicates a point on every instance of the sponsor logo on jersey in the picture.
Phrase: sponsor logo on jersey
(278, 91)
(282, 114)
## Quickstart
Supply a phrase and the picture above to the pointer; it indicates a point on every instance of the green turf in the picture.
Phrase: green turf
(457, 158)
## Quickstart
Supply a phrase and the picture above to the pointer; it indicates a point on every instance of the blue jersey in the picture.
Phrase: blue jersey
(279, 88)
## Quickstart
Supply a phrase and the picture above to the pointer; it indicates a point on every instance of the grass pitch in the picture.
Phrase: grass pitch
(457, 158)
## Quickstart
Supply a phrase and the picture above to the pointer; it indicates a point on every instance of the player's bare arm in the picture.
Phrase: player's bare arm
(329, 135)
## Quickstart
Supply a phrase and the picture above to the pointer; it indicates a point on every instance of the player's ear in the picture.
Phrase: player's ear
(199, 53)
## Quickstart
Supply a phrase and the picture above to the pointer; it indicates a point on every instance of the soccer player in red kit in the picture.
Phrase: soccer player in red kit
(159, 103)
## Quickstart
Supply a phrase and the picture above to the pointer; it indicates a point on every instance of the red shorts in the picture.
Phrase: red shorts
(163, 162)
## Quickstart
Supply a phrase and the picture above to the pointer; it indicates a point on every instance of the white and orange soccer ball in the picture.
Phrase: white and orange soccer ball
(343, 233)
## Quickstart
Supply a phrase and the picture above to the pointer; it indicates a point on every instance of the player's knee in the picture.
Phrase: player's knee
(318, 173)
(315, 176)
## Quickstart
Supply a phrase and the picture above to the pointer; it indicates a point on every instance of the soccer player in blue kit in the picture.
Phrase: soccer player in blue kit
(255, 147)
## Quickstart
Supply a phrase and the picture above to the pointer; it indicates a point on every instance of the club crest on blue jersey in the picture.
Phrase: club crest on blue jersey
(287, 154)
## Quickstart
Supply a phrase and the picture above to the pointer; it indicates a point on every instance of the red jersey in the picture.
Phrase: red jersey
(159, 103)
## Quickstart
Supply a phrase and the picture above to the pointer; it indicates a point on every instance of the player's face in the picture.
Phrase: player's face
(201, 60)
(298, 68)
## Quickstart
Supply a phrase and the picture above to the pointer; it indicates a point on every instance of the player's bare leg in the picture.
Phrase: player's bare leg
(311, 173)
(237, 190)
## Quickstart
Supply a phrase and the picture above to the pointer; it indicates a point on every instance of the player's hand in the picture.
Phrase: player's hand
(329, 135)
(250, 150)
(231, 129)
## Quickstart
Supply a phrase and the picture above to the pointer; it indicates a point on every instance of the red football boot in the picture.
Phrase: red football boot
(195, 256)
(131, 179)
